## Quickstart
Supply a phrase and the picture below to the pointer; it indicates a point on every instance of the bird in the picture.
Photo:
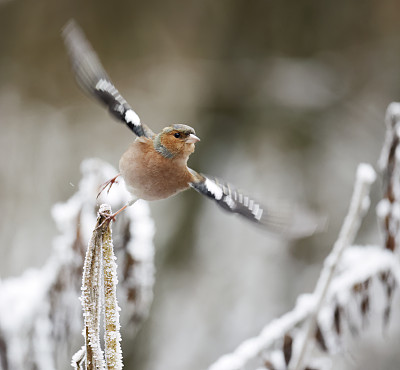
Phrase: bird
(155, 166)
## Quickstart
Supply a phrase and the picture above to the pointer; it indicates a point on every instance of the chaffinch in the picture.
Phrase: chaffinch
(155, 165)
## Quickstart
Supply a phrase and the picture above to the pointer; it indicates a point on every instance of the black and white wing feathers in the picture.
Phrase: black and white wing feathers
(280, 219)
(93, 79)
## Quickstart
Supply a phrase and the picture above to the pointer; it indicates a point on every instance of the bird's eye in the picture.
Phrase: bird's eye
(177, 135)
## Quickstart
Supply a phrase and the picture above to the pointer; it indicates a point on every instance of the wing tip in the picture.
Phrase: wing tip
(296, 223)
(70, 32)
(70, 25)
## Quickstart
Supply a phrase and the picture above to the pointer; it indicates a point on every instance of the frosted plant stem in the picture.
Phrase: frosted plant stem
(358, 206)
(112, 336)
(388, 207)
(100, 278)
(253, 347)
(91, 293)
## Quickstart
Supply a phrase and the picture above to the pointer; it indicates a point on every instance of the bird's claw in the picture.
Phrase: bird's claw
(108, 184)
(107, 219)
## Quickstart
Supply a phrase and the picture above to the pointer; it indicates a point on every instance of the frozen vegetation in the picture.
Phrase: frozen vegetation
(40, 316)
(40, 313)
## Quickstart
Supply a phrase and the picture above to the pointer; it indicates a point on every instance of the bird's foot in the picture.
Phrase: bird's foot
(108, 218)
(108, 184)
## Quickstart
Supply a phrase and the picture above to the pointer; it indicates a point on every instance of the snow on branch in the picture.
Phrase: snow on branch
(355, 289)
(99, 283)
(40, 314)
(92, 296)
(112, 336)
(359, 205)
(308, 306)
(388, 208)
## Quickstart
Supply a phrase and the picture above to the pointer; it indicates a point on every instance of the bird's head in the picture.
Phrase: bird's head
(176, 141)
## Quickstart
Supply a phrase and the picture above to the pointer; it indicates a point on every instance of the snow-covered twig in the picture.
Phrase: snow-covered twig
(112, 336)
(356, 286)
(253, 347)
(388, 208)
(276, 345)
(99, 283)
(358, 207)
(307, 305)
(40, 314)
(91, 297)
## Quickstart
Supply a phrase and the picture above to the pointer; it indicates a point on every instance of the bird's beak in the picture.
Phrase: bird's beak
(192, 139)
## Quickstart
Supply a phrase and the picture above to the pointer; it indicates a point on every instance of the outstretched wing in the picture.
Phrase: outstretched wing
(93, 79)
(280, 219)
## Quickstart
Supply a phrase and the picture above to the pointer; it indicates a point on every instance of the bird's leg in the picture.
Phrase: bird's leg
(108, 183)
(111, 217)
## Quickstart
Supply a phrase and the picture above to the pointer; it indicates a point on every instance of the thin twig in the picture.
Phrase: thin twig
(358, 206)
(308, 305)
(253, 347)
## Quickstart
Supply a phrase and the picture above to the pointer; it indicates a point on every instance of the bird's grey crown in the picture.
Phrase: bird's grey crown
(180, 127)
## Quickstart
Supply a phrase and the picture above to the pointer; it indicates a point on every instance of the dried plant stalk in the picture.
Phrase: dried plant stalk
(99, 285)
(112, 336)
(358, 207)
(308, 306)
(45, 331)
(91, 302)
(349, 292)
(389, 163)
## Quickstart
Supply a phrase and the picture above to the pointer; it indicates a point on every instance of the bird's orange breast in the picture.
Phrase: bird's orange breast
(150, 176)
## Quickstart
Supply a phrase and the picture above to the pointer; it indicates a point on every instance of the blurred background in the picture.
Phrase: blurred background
(287, 98)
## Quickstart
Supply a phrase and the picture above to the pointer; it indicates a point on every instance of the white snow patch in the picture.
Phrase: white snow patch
(394, 109)
(253, 347)
(366, 173)
(383, 208)
(396, 211)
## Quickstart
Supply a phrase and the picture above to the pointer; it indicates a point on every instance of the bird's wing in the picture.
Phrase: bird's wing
(93, 79)
(280, 218)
